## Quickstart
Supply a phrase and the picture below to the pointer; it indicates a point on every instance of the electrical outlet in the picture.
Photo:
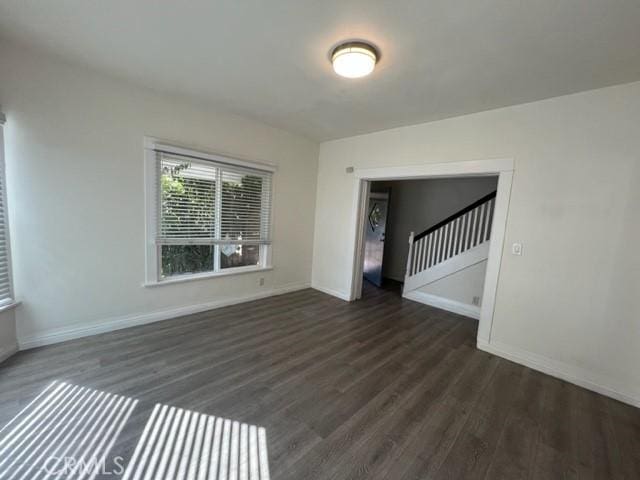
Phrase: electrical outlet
(516, 249)
(261, 281)
(476, 300)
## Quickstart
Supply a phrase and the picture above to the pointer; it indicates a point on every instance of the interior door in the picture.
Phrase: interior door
(375, 226)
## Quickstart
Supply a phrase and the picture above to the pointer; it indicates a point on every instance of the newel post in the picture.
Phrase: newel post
(408, 272)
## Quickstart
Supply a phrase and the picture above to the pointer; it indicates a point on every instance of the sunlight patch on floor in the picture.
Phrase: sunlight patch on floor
(182, 444)
(64, 422)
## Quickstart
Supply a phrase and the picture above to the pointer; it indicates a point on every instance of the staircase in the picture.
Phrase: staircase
(455, 243)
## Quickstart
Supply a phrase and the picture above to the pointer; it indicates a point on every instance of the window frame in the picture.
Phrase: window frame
(10, 301)
(153, 258)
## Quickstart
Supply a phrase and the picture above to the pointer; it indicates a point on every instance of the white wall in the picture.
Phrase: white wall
(569, 304)
(416, 205)
(460, 286)
(74, 152)
(455, 292)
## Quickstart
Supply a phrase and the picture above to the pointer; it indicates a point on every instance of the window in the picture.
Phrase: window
(207, 214)
(6, 287)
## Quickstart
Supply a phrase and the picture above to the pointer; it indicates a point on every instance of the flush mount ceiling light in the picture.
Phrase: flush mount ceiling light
(354, 59)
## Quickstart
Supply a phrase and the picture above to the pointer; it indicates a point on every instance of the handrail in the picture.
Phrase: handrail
(459, 213)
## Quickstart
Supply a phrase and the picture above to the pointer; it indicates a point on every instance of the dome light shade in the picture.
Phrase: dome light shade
(354, 59)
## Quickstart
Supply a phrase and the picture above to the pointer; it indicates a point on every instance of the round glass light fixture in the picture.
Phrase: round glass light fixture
(354, 59)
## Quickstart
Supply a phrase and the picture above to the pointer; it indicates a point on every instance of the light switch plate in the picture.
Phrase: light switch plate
(516, 249)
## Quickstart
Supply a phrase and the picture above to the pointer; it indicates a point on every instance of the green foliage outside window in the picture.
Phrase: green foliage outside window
(197, 209)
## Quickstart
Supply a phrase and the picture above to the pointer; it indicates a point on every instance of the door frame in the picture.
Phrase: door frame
(502, 167)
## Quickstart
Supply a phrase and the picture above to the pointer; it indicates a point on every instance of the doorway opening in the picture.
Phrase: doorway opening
(486, 221)
(428, 240)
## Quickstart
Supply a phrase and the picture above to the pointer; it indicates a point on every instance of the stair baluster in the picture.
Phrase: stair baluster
(453, 236)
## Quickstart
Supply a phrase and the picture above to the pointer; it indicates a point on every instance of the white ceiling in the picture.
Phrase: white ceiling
(268, 59)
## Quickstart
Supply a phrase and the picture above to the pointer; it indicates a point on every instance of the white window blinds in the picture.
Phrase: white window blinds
(203, 202)
(245, 206)
(6, 294)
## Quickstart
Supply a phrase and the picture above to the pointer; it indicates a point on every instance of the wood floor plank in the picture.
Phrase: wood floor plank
(382, 388)
(474, 448)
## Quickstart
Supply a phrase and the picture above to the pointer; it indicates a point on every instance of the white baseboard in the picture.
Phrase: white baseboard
(6, 352)
(576, 375)
(335, 293)
(444, 303)
(110, 324)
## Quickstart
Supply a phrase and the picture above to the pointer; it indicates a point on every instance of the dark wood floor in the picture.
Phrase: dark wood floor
(383, 388)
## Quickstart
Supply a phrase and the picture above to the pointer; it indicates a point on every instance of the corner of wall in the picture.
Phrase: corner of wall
(8, 340)
(572, 374)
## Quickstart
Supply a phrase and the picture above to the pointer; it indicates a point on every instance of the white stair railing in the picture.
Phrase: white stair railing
(456, 234)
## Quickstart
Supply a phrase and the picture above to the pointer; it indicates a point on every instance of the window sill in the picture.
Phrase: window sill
(9, 306)
(204, 276)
